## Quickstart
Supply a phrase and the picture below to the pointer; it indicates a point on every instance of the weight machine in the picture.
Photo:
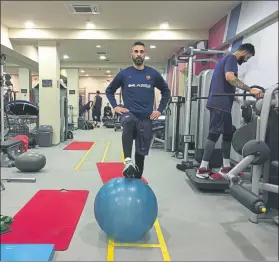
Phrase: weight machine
(257, 153)
(197, 121)
(183, 112)
(188, 56)
(9, 148)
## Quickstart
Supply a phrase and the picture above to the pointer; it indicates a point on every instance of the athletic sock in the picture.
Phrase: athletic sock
(226, 162)
(204, 164)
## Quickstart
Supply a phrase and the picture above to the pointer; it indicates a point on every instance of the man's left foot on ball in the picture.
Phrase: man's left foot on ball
(129, 170)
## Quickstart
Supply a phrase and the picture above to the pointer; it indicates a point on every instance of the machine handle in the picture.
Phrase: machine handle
(206, 97)
(231, 94)
(258, 87)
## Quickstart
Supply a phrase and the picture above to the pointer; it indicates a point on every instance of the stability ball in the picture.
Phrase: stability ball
(125, 209)
(30, 162)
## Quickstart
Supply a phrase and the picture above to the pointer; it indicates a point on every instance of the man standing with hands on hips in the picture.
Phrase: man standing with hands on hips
(138, 83)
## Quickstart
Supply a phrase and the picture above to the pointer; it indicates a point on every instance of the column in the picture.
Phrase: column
(72, 84)
(25, 84)
(49, 87)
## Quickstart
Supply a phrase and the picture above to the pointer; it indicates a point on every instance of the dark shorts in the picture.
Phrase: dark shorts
(220, 122)
(142, 132)
(96, 116)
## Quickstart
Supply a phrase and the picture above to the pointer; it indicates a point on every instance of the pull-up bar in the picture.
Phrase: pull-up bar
(191, 51)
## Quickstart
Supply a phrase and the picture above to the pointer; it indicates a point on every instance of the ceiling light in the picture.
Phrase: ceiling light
(29, 24)
(147, 58)
(164, 25)
(66, 56)
(153, 46)
(86, 75)
(82, 71)
(108, 71)
(98, 46)
(90, 25)
(102, 57)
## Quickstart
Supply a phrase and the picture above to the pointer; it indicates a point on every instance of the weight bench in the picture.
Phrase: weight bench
(156, 130)
(117, 125)
(10, 149)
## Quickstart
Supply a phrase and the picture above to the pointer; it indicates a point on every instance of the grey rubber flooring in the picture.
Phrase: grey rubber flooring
(195, 226)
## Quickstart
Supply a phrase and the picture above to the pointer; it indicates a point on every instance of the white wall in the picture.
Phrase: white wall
(253, 12)
(27, 50)
(5, 37)
(262, 69)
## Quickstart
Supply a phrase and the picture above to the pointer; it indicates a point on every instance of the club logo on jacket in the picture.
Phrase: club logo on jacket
(147, 77)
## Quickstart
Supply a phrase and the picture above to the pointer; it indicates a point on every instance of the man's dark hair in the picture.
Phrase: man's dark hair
(247, 47)
(98, 92)
(139, 43)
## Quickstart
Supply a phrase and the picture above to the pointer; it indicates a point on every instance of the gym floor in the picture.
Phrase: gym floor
(192, 226)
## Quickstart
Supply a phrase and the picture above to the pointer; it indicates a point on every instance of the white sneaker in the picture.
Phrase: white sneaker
(203, 173)
(129, 169)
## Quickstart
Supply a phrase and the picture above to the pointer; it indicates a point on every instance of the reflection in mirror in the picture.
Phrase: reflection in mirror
(21, 82)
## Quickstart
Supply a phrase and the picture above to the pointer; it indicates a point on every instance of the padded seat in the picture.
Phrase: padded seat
(274, 163)
(157, 128)
(10, 143)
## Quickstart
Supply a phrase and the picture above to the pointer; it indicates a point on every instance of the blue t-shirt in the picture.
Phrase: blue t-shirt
(138, 90)
(219, 84)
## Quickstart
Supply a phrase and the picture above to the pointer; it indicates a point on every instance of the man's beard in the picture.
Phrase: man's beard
(240, 61)
(138, 61)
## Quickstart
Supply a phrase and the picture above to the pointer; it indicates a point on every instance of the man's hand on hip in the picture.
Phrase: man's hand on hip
(120, 110)
(155, 115)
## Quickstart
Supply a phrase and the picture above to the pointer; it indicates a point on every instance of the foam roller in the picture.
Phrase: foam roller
(248, 199)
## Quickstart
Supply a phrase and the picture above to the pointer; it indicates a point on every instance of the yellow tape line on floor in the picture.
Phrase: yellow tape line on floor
(105, 153)
(83, 158)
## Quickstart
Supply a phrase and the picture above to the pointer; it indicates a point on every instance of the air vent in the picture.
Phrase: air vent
(78, 9)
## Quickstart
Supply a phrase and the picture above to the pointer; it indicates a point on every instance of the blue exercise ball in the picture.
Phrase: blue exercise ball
(125, 209)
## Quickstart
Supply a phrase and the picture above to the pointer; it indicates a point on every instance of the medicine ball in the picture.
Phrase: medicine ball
(30, 162)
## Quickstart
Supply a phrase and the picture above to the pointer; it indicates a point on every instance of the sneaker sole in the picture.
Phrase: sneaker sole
(205, 176)
(130, 172)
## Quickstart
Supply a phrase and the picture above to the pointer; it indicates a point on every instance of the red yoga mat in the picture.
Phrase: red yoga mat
(111, 170)
(79, 146)
(50, 217)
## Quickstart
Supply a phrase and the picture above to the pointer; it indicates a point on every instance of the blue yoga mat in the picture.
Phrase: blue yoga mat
(27, 252)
